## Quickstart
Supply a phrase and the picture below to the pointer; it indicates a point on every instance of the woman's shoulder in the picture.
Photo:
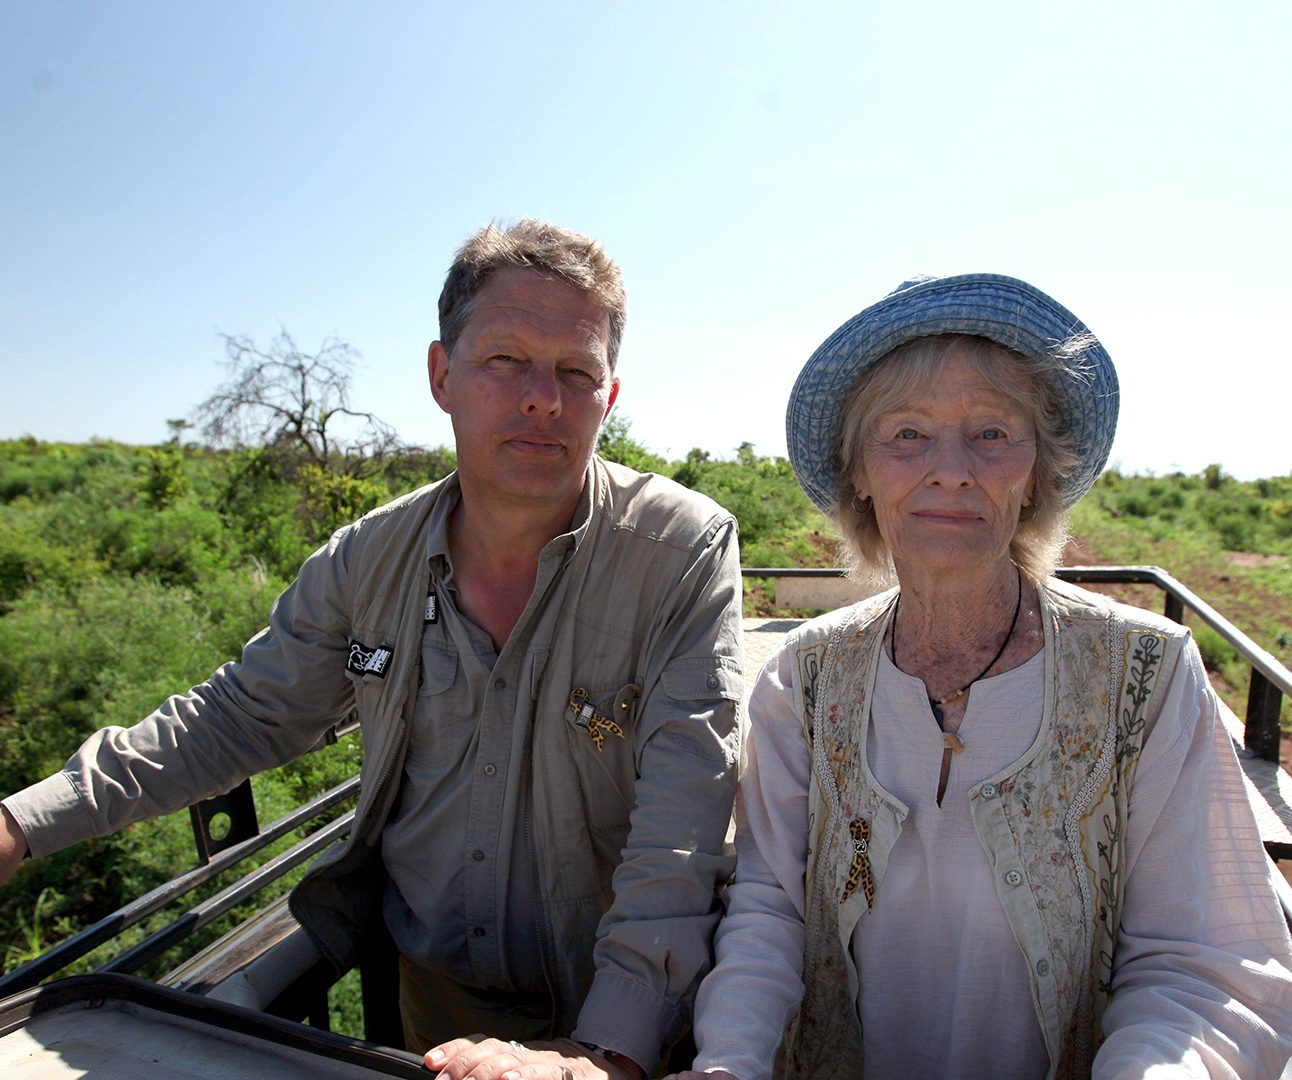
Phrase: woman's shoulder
(1071, 602)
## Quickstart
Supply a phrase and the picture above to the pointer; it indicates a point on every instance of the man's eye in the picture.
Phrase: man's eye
(908, 434)
(993, 434)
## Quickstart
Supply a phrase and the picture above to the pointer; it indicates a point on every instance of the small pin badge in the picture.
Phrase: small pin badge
(593, 722)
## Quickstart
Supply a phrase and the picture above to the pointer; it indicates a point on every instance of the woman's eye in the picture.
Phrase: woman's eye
(993, 434)
(908, 433)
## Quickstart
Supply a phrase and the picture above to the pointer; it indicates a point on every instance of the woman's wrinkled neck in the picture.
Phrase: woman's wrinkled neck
(944, 611)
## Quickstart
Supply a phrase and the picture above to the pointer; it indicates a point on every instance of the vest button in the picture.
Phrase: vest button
(1043, 966)
(490, 769)
(988, 791)
(478, 855)
(1014, 877)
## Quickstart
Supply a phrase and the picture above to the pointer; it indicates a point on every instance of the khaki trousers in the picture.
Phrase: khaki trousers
(434, 1009)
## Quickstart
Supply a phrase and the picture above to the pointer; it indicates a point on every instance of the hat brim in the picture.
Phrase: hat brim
(1002, 309)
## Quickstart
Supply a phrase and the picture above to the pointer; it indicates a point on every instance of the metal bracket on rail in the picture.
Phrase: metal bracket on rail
(224, 820)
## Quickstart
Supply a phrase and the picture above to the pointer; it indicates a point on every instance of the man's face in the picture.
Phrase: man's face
(527, 386)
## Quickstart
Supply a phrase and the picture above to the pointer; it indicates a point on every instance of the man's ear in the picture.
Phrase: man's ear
(610, 401)
(437, 370)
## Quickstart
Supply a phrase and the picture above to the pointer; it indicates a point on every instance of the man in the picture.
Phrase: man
(544, 653)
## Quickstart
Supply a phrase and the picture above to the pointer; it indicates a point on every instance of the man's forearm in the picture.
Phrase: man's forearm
(13, 845)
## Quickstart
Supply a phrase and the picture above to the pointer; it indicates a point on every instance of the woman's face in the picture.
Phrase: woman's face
(949, 472)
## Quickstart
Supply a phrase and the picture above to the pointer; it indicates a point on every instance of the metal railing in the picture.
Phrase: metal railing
(86, 941)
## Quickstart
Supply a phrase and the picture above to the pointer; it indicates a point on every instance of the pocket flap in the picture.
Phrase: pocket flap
(696, 678)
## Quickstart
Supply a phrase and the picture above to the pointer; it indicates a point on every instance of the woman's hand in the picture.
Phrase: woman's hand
(478, 1057)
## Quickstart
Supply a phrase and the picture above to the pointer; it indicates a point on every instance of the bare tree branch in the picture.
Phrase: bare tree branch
(296, 402)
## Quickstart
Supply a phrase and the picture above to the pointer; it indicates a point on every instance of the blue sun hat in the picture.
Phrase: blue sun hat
(1003, 309)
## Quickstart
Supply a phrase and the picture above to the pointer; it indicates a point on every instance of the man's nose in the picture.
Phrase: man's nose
(542, 392)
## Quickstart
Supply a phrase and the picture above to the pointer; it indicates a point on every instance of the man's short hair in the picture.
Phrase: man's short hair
(545, 247)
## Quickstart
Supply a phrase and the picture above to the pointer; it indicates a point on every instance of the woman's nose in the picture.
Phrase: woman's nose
(950, 463)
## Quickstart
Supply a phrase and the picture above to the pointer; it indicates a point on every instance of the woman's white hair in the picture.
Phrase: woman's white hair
(902, 376)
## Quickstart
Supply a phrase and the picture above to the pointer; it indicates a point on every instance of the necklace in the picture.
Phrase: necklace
(950, 740)
(936, 703)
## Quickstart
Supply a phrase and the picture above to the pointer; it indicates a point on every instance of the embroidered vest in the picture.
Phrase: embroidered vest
(1053, 822)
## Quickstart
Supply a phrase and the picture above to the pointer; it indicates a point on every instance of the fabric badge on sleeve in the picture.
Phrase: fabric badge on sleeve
(365, 661)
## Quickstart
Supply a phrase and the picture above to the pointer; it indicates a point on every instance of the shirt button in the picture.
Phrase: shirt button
(712, 682)
(479, 931)
(1043, 967)
(489, 770)
(1014, 877)
(500, 684)
(478, 855)
(988, 791)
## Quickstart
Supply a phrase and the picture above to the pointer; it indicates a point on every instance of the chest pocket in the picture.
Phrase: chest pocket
(602, 718)
(444, 724)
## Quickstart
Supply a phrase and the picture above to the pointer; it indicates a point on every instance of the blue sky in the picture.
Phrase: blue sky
(172, 170)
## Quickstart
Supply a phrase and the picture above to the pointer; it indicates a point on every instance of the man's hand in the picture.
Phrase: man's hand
(13, 846)
(480, 1058)
(688, 1075)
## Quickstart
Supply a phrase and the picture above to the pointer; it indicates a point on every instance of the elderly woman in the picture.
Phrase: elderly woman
(990, 825)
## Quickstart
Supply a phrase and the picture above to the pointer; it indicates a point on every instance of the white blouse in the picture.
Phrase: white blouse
(945, 990)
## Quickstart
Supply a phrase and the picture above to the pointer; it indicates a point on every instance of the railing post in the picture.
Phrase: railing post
(1261, 733)
(1174, 608)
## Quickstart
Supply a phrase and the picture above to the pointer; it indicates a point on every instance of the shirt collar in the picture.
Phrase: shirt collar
(437, 545)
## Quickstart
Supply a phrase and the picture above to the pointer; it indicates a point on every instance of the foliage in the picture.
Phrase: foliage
(1227, 540)
(127, 574)
(615, 443)
(761, 492)
(1229, 514)
(164, 481)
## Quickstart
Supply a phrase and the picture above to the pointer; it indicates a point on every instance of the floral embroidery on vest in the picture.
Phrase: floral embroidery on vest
(1146, 651)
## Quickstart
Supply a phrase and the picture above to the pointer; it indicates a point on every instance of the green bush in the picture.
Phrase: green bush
(761, 492)
(105, 653)
(615, 443)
